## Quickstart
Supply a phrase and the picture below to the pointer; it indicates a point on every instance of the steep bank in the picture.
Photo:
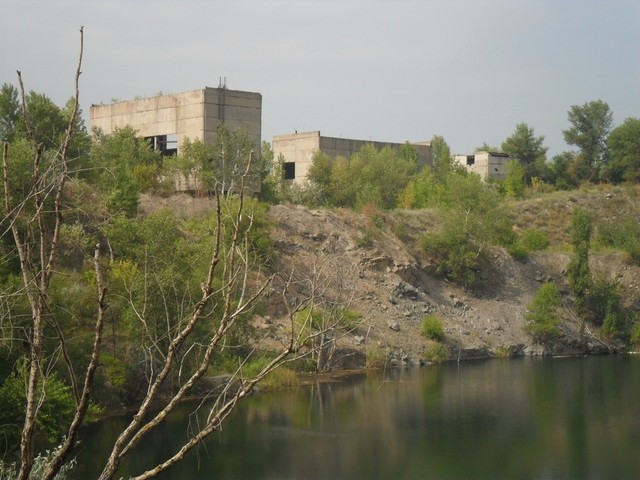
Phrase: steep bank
(393, 289)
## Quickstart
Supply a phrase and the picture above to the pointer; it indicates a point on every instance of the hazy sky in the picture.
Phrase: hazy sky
(381, 70)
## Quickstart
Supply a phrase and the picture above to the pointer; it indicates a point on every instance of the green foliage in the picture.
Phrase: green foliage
(514, 181)
(534, 239)
(442, 159)
(530, 240)
(57, 409)
(435, 352)
(621, 234)
(474, 216)
(528, 149)
(376, 358)
(624, 144)
(124, 165)
(432, 327)
(204, 167)
(9, 471)
(369, 176)
(579, 273)
(634, 338)
(9, 112)
(590, 126)
(543, 318)
(518, 251)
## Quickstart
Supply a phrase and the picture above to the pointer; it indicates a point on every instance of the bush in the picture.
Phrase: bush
(534, 240)
(376, 358)
(456, 257)
(436, 352)
(635, 330)
(432, 327)
(542, 319)
(518, 251)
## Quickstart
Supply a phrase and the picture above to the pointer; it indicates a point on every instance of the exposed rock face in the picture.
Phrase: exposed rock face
(393, 290)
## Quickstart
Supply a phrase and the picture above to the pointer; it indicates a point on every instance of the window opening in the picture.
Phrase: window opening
(289, 170)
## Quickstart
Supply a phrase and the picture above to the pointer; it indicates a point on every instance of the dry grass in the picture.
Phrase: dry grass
(552, 213)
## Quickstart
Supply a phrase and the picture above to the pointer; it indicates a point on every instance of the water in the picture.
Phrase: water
(571, 418)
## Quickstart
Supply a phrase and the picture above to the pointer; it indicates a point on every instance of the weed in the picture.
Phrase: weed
(432, 327)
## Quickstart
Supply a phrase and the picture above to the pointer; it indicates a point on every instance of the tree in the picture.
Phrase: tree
(579, 272)
(473, 217)
(590, 126)
(320, 173)
(514, 181)
(624, 152)
(543, 317)
(9, 112)
(233, 279)
(524, 146)
(485, 147)
(442, 158)
(123, 166)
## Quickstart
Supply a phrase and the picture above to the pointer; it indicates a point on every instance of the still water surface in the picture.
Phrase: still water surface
(529, 418)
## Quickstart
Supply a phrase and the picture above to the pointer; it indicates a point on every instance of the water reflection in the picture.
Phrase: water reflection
(524, 419)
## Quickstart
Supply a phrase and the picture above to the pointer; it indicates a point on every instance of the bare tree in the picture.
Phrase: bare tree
(35, 221)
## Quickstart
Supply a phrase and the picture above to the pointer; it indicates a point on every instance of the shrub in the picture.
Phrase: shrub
(432, 327)
(376, 358)
(543, 319)
(534, 240)
(635, 330)
(436, 352)
(518, 251)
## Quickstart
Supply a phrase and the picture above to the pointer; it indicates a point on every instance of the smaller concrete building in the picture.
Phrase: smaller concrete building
(297, 150)
(489, 165)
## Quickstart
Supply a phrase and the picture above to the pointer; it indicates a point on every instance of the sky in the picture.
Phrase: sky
(384, 70)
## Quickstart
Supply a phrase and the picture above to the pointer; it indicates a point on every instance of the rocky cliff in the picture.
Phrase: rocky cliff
(345, 258)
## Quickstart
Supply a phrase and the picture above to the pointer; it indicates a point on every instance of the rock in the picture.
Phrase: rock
(393, 325)
(358, 339)
(404, 290)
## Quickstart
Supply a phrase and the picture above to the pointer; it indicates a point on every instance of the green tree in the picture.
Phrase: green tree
(232, 152)
(485, 147)
(561, 172)
(124, 165)
(442, 159)
(543, 317)
(524, 146)
(9, 112)
(320, 175)
(624, 152)
(473, 217)
(514, 181)
(590, 127)
(579, 272)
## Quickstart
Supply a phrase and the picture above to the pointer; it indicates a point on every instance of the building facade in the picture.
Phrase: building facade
(166, 120)
(297, 151)
(489, 165)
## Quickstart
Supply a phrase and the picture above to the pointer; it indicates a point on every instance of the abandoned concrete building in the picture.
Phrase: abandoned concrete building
(297, 150)
(166, 120)
(489, 165)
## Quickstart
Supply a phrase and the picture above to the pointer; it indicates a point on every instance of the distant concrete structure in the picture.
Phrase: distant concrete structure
(489, 165)
(166, 120)
(297, 150)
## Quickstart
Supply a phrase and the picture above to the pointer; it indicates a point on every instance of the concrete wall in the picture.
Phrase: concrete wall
(300, 147)
(194, 114)
(486, 164)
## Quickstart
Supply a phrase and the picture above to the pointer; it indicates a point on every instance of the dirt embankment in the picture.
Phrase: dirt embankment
(347, 259)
